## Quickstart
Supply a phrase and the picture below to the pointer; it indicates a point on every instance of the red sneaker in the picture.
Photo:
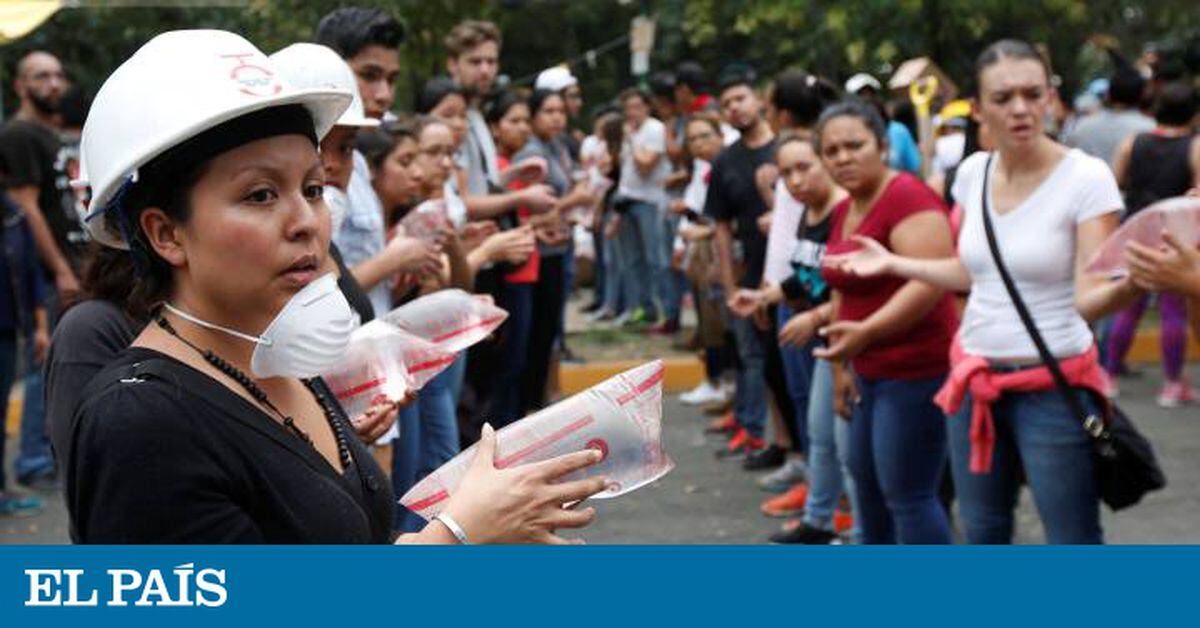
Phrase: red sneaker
(843, 521)
(740, 444)
(789, 504)
(726, 424)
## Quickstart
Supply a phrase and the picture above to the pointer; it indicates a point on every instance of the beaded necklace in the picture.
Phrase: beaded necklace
(260, 395)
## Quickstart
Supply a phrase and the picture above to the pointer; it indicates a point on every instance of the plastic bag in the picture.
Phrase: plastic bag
(383, 363)
(621, 417)
(426, 221)
(1180, 216)
(452, 319)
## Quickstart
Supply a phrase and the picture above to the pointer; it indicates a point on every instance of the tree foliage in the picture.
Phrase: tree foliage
(831, 37)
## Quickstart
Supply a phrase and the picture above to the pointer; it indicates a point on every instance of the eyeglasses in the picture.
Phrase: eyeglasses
(440, 151)
(699, 137)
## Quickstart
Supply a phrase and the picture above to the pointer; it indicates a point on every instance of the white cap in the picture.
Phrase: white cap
(178, 85)
(861, 80)
(313, 65)
(555, 79)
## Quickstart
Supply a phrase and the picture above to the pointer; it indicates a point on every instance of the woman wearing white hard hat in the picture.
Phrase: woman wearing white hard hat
(91, 333)
(213, 426)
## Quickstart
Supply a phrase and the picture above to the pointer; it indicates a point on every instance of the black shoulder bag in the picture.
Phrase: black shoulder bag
(1126, 468)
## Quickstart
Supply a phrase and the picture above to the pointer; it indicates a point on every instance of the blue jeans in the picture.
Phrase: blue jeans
(505, 396)
(568, 287)
(439, 420)
(897, 452)
(35, 457)
(1036, 432)
(828, 455)
(8, 368)
(675, 283)
(616, 293)
(600, 267)
(798, 363)
(406, 460)
(750, 396)
(645, 259)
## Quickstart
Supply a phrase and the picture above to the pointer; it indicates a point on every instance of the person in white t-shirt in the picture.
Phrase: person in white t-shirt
(1052, 208)
(641, 197)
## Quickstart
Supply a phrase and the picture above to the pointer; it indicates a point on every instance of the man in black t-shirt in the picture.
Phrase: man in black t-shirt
(734, 203)
(36, 171)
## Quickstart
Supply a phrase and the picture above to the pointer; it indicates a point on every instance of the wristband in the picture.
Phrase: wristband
(453, 527)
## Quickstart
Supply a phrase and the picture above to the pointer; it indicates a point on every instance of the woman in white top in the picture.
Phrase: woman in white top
(1051, 207)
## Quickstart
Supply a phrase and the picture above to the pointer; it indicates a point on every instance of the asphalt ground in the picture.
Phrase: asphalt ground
(707, 501)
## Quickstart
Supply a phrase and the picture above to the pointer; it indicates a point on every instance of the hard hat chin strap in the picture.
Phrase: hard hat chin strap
(115, 209)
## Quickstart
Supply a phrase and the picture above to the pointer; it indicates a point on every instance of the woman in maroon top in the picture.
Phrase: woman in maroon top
(895, 334)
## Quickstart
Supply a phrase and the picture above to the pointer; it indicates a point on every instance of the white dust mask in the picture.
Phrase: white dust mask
(338, 203)
(308, 336)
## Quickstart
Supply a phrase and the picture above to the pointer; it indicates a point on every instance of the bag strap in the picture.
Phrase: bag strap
(1092, 423)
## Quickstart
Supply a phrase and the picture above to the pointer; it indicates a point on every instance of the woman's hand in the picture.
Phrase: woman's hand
(1172, 268)
(799, 329)
(412, 255)
(744, 302)
(846, 340)
(764, 222)
(613, 227)
(538, 198)
(473, 234)
(529, 170)
(523, 504)
(845, 392)
(871, 260)
(513, 246)
(380, 417)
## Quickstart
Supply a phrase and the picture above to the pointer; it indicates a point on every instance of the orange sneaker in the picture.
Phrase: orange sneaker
(789, 504)
(843, 521)
(726, 424)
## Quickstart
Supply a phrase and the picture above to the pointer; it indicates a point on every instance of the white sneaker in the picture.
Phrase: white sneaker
(702, 394)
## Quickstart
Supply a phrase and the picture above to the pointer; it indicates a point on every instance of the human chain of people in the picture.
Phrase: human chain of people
(245, 297)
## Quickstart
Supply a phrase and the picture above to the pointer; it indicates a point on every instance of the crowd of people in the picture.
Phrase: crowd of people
(180, 267)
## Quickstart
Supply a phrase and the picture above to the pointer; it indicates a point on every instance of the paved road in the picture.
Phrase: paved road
(706, 501)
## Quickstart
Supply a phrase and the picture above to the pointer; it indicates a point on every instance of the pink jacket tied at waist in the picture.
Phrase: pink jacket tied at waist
(971, 373)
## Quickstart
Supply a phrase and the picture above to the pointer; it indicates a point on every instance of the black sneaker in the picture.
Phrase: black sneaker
(767, 459)
(805, 535)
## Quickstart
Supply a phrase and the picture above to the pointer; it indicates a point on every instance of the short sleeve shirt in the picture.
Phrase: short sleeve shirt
(1037, 242)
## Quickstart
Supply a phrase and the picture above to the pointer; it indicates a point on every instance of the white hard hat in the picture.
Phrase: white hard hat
(313, 65)
(861, 80)
(175, 87)
(555, 79)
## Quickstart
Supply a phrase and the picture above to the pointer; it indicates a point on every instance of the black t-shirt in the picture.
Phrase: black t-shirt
(733, 197)
(33, 155)
(806, 288)
(87, 339)
(162, 453)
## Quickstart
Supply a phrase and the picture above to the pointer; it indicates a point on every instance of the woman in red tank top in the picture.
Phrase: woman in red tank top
(890, 338)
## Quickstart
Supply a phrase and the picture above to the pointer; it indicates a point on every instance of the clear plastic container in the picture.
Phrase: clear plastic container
(1180, 216)
(426, 221)
(621, 417)
(452, 319)
(382, 363)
